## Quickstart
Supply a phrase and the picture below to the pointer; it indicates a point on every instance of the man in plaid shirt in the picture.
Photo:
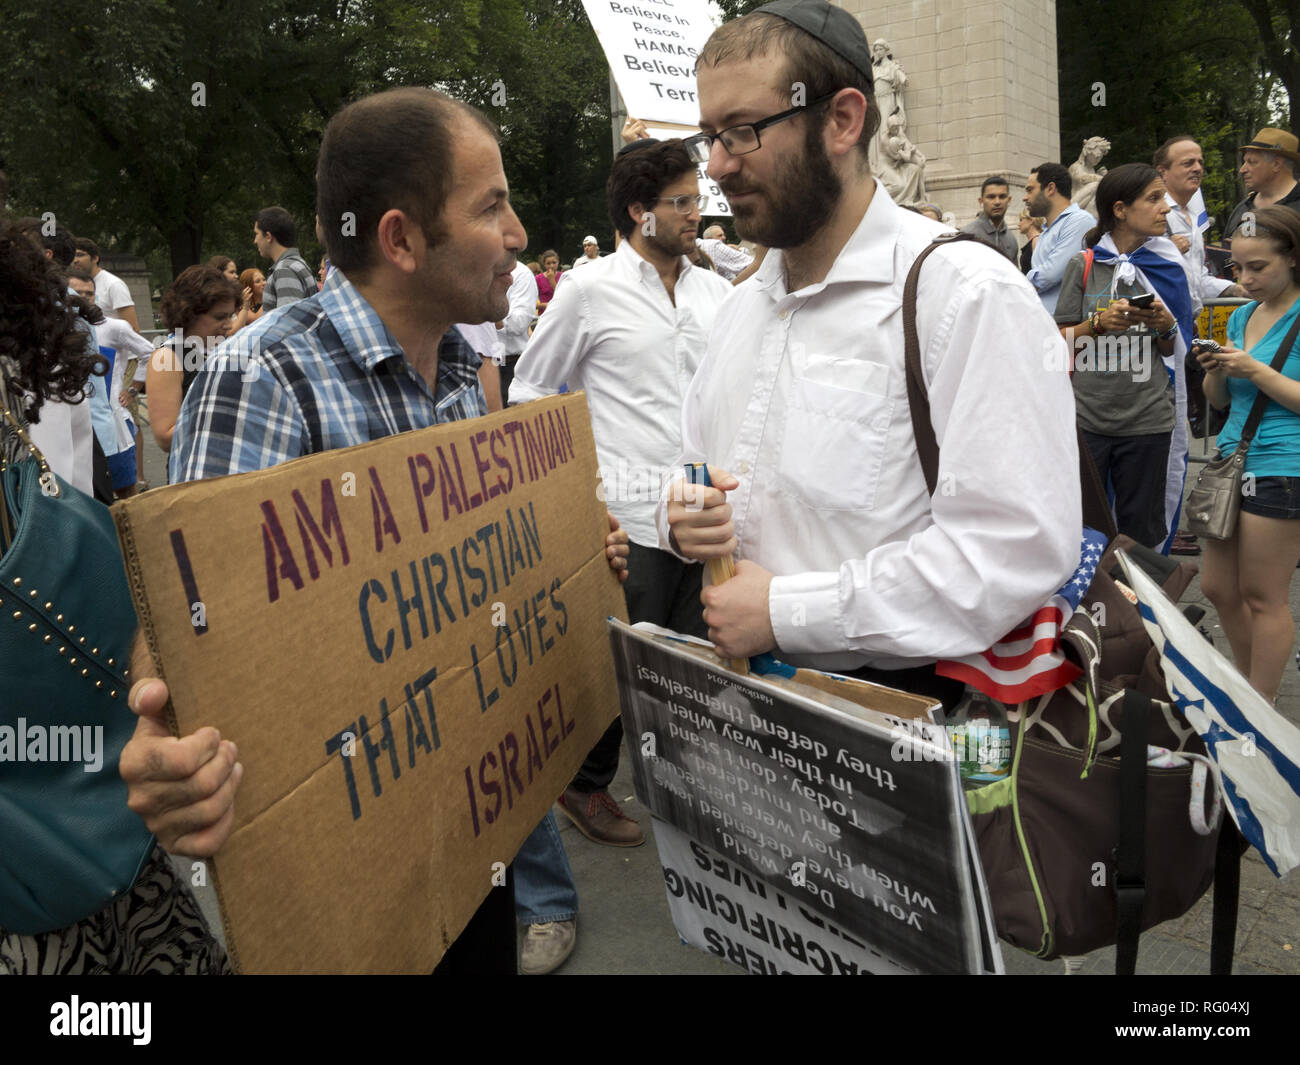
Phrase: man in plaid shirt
(375, 352)
(290, 279)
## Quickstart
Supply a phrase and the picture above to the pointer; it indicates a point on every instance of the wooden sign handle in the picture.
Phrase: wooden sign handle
(719, 569)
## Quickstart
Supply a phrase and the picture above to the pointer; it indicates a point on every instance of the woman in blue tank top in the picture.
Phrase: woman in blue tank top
(1248, 577)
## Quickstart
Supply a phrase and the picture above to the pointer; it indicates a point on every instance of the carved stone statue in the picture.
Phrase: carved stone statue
(898, 162)
(1084, 173)
(902, 166)
(889, 79)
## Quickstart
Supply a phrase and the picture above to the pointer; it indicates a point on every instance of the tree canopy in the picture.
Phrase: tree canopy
(1169, 67)
(160, 127)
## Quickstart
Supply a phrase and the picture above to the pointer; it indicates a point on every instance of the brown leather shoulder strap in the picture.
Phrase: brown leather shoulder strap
(918, 398)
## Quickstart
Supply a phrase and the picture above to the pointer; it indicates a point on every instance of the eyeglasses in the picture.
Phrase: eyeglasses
(685, 204)
(743, 139)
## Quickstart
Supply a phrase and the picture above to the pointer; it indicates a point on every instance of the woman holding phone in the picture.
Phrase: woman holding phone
(1121, 303)
(1248, 577)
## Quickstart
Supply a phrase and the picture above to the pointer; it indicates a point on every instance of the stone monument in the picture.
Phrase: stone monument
(1084, 174)
(902, 166)
(979, 96)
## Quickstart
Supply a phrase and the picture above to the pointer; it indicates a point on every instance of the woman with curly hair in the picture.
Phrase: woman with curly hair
(253, 284)
(224, 264)
(197, 307)
(45, 363)
(45, 358)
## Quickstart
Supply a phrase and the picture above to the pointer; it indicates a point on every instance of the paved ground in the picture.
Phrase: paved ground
(624, 928)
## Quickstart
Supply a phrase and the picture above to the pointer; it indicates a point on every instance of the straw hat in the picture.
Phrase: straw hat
(1278, 141)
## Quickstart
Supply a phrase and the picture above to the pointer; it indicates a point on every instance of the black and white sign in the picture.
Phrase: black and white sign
(857, 816)
(651, 46)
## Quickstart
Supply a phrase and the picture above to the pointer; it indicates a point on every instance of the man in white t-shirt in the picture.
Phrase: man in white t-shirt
(111, 294)
(590, 252)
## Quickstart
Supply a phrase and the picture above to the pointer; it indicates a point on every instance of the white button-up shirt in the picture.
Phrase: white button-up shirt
(729, 262)
(802, 397)
(522, 295)
(612, 330)
(1202, 285)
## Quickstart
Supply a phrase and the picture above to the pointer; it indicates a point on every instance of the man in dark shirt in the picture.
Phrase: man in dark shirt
(1268, 166)
(990, 225)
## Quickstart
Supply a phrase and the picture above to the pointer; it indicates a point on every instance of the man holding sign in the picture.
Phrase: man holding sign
(848, 564)
(417, 221)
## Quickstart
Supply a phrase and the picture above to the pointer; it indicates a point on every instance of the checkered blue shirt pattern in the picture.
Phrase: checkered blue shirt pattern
(319, 374)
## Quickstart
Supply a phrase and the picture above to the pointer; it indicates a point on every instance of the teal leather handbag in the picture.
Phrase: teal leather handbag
(68, 842)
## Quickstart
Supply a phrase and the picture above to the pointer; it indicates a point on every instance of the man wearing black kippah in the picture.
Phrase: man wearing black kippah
(847, 562)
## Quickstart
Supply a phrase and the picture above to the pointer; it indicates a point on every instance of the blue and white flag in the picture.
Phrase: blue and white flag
(1196, 207)
(1256, 751)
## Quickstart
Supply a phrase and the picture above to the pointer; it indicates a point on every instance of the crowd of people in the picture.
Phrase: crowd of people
(778, 360)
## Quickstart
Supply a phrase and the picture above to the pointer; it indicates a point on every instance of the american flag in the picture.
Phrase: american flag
(1027, 661)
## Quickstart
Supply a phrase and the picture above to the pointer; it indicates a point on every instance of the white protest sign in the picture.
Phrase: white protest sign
(651, 46)
(721, 908)
(716, 204)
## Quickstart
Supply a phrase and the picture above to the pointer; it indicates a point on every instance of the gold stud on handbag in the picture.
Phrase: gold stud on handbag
(68, 842)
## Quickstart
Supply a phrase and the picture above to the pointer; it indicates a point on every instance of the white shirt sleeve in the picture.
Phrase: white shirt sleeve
(522, 295)
(557, 348)
(729, 259)
(1006, 513)
(1211, 286)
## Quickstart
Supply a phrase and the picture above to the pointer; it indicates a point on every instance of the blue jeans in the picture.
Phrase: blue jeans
(544, 888)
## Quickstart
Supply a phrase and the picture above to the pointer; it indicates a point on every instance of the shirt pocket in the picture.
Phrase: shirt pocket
(834, 445)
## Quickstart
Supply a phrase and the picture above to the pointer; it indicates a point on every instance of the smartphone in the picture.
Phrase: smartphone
(1206, 345)
(1143, 301)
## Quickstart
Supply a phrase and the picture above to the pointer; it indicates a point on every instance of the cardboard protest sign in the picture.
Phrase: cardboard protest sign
(406, 641)
(715, 204)
(858, 816)
(651, 46)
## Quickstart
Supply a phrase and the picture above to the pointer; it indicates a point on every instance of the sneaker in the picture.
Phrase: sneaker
(600, 819)
(547, 946)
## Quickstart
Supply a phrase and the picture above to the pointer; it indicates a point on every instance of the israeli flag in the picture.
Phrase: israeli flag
(1255, 750)
(1196, 208)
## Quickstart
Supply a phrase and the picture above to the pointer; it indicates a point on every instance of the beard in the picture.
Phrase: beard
(803, 195)
(680, 244)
